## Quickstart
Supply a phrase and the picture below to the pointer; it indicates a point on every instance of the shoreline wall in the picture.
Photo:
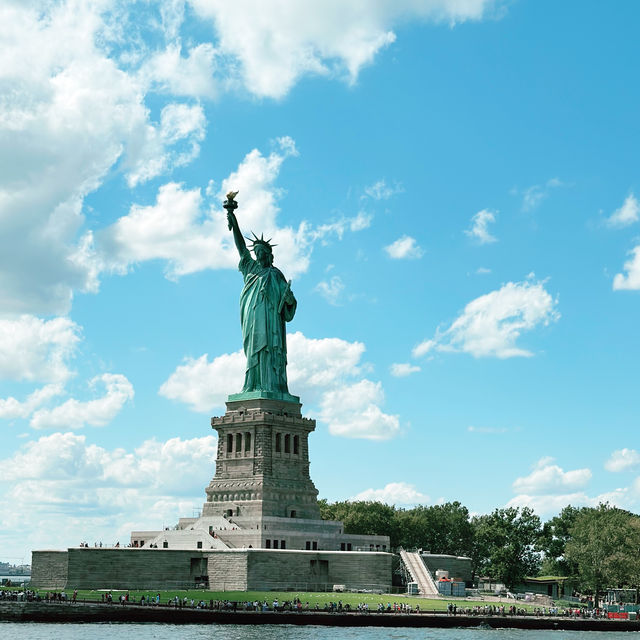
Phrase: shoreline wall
(96, 613)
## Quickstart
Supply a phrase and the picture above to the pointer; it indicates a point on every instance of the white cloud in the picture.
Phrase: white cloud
(179, 229)
(627, 214)
(281, 42)
(380, 190)
(630, 280)
(547, 478)
(74, 80)
(13, 408)
(481, 271)
(61, 487)
(320, 370)
(74, 414)
(404, 247)
(204, 385)
(548, 489)
(423, 348)
(68, 115)
(393, 493)
(331, 290)
(359, 222)
(33, 349)
(480, 226)
(403, 369)
(491, 324)
(622, 459)
(190, 76)
(314, 365)
(180, 122)
(337, 228)
(548, 506)
(353, 411)
(534, 195)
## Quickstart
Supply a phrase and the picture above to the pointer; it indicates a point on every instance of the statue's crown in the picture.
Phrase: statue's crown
(255, 241)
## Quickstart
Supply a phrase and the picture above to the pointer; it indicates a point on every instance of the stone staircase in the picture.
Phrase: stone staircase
(419, 573)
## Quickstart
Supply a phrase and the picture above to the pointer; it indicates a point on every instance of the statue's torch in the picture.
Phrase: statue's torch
(230, 205)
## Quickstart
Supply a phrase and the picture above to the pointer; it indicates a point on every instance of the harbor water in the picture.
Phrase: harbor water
(107, 631)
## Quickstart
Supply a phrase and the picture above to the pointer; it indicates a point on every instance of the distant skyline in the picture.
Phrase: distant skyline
(453, 188)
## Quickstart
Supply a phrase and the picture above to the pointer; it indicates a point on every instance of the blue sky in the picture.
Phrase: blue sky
(453, 190)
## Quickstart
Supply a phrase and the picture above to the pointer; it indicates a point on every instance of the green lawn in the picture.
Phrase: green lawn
(313, 598)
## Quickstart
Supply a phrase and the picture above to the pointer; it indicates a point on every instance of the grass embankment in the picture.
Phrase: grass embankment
(313, 598)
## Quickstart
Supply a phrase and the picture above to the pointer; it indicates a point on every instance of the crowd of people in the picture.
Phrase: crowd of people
(19, 595)
(296, 605)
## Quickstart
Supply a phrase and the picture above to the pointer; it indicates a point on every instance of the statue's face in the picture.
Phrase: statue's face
(263, 256)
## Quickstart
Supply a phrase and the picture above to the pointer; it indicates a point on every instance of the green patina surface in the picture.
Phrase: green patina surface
(266, 305)
(270, 395)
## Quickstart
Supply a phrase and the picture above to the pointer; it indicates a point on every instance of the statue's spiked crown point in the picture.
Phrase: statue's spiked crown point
(256, 241)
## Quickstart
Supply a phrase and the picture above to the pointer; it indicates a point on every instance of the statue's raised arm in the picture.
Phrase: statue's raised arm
(266, 305)
(231, 205)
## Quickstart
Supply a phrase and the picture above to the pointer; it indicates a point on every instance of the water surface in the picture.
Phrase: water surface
(152, 631)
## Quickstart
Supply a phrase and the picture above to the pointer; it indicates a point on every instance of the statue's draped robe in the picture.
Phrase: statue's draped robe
(263, 328)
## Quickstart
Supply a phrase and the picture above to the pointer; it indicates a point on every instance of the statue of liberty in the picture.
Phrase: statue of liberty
(266, 304)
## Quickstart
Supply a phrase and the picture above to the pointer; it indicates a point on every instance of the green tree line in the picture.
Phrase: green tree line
(594, 547)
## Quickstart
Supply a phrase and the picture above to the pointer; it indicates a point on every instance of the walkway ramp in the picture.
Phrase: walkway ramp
(419, 573)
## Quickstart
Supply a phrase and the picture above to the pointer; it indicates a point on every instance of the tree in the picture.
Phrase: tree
(363, 518)
(504, 544)
(553, 540)
(442, 528)
(604, 546)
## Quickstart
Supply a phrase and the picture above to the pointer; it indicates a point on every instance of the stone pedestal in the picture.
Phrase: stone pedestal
(262, 465)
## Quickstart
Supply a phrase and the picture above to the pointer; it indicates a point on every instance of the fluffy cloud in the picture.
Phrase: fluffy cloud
(393, 493)
(12, 408)
(491, 324)
(630, 280)
(480, 226)
(622, 459)
(75, 79)
(60, 487)
(74, 414)
(548, 489)
(627, 214)
(37, 350)
(281, 42)
(403, 369)
(191, 236)
(33, 349)
(204, 385)
(320, 370)
(68, 114)
(190, 76)
(316, 364)
(547, 478)
(354, 411)
(331, 290)
(404, 247)
(548, 506)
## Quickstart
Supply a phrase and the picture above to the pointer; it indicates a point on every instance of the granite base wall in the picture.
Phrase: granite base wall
(264, 570)
(49, 569)
(126, 568)
(229, 570)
